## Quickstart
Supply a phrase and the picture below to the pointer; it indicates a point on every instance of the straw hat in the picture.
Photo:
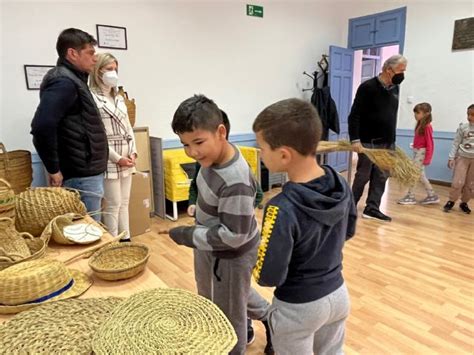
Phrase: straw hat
(165, 321)
(63, 327)
(34, 282)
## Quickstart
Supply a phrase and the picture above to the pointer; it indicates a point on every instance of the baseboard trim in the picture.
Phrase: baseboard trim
(440, 182)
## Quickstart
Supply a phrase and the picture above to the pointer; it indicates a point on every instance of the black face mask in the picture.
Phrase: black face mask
(398, 78)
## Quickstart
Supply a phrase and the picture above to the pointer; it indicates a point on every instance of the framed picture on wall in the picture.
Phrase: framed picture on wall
(34, 75)
(111, 37)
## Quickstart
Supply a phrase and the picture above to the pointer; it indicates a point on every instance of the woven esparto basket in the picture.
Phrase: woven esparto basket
(36, 246)
(119, 261)
(15, 166)
(131, 106)
(61, 327)
(11, 241)
(165, 321)
(7, 199)
(35, 208)
(54, 229)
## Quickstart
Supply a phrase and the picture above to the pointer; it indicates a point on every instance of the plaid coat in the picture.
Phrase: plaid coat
(119, 133)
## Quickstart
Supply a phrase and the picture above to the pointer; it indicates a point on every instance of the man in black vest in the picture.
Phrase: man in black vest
(67, 128)
(373, 124)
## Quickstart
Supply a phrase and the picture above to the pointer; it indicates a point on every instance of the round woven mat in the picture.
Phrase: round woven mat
(62, 327)
(165, 321)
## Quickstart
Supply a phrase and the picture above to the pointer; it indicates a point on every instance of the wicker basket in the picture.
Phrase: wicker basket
(7, 200)
(11, 241)
(37, 249)
(35, 208)
(16, 167)
(119, 261)
(131, 107)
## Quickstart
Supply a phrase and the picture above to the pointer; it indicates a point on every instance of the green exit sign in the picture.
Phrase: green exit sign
(254, 10)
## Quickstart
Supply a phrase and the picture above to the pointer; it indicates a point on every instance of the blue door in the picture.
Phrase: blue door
(341, 67)
(378, 30)
(390, 27)
(361, 32)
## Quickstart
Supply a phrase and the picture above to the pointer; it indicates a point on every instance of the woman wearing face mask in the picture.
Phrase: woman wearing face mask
(122, 149)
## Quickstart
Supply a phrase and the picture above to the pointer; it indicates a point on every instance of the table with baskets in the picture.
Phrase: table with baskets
(100, 288)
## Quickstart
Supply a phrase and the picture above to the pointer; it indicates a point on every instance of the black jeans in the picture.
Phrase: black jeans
(368, 171)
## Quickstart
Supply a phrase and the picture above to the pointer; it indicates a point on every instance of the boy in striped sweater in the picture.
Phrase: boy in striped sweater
(225, 238)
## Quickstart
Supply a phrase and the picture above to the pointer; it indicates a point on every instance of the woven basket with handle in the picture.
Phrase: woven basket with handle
(36, 246)
(7, 199)
(15, 167)
(11, 241)
(131, 106)
(119, 261)
(35, 208)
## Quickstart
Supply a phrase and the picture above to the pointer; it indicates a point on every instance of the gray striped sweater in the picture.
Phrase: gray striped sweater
(225, 215)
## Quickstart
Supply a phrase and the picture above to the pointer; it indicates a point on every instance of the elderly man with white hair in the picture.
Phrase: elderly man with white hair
(372, 124)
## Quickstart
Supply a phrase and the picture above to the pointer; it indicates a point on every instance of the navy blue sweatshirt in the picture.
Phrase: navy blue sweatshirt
(303, 233)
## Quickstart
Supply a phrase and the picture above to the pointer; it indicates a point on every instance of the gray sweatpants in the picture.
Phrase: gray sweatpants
(304, 328)
(228, 287)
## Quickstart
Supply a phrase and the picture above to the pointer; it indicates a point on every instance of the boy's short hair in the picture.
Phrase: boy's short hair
(197, 112)
(293, 123)
(470, 107)
(226, 123)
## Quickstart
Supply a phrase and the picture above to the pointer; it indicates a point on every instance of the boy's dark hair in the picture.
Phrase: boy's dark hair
(73, 38)
(293, 122)
(470, 107)
(226, 123)
(197, 112)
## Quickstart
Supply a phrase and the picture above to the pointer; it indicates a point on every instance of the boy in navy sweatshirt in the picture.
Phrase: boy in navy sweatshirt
(303, 234)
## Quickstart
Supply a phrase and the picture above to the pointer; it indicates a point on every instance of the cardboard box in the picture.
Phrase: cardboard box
(142, 141)
(140, 204)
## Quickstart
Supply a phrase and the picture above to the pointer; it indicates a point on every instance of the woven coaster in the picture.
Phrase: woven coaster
(62, 327)
(165, 321)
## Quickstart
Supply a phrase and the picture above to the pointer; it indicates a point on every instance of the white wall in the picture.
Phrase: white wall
(435, 73)
(175, 49)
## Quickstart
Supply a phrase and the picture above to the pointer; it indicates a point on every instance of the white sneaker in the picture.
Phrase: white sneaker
(407, 200)
(430, 200)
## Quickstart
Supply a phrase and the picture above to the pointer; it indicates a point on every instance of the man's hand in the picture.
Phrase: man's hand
(451, 163)
(133, 157)
(127, 162)
(56, 179)
(357, 147)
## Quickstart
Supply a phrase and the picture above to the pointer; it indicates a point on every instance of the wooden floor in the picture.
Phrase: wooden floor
(410, 281)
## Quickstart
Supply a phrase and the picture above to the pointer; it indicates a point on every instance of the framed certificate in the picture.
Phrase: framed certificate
(34, 75)
(112, 37)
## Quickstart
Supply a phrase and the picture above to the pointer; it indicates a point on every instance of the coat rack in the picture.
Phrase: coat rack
(323, 64)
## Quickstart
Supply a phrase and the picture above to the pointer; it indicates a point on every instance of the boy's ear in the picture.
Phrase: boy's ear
(285, 155)
(221, 131)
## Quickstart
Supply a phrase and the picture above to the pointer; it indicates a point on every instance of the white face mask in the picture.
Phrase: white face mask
(110, 78)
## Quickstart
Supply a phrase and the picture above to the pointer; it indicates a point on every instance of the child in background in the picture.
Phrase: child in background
(461, 158)
(303, 234)
(423, 148)
(225, 238)
(193, 192)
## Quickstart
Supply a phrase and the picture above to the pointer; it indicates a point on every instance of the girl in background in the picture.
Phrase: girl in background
(423, 148)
